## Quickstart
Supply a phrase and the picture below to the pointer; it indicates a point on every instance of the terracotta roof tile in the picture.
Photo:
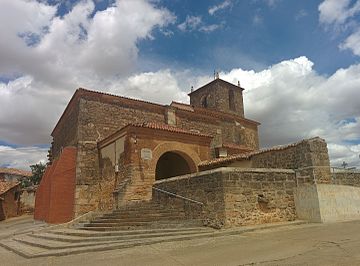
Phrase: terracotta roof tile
(245, 156)
(170, 128)
(6, 186)
(13, 171)
(182, 106)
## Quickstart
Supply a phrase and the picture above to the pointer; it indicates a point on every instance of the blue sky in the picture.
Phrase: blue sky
(298, 61)
(256, 34)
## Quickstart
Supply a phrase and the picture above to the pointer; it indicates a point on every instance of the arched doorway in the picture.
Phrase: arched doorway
(172, 164)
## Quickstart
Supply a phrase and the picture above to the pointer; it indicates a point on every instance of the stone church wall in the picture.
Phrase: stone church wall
(98, 120)
(67, 133)
(233, 196)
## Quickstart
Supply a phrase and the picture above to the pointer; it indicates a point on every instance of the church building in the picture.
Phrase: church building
(108, 150)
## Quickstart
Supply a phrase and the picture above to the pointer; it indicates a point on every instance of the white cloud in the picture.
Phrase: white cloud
(272, 3)
(226, 4)
(293, 102)
(337, 11)
(77, 49)
(22, 158)
(210, 28)
(257, 20)
(301, 14)
(352, 43)
(99, 52)
(340, 15)
(191, 23)
(160, 87)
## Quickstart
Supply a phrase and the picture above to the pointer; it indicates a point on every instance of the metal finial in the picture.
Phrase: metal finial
(217, 75)
(238, 83)
(192, 88)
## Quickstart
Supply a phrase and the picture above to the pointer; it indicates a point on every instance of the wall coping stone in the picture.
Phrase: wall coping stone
(225, 170)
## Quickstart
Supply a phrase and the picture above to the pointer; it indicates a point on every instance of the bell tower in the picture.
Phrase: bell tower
(219, 95)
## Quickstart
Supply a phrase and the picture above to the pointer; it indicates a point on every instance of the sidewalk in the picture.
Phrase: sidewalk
(305, 244)
(19, 225)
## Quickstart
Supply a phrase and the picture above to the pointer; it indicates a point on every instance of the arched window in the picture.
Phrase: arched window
(204, 101)
(231, 100)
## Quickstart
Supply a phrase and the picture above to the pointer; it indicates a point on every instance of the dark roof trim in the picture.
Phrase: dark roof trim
(214, 81)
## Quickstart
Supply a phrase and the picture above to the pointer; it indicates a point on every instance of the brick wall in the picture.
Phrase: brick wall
(234, 196)
(9, 204)
(54, 202)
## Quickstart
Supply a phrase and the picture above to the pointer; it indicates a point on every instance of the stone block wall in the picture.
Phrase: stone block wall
(309, 158)
(348, 178)
(205, 187)
(257, 196)
(233, 196)
(66, 133)
(217, 97)
(91, 117)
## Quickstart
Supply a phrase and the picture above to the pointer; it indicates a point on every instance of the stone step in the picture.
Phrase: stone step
(136, 219)
(30, 251)
(144, 212)
(144, 226)
(149, 223)
(52, 248)
(124, 236)
(139, 215)
(84, 233)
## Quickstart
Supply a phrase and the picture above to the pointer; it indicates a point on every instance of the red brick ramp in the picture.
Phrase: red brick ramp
(55, 197)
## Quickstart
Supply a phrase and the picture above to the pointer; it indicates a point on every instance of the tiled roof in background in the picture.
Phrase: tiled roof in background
(13, 171)
(6, 186)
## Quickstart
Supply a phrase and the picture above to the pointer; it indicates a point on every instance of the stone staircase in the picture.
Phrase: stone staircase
(143, 223)
(141, 215)
(62, 242)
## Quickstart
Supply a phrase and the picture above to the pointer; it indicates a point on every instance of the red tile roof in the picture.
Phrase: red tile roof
(13, 171)
(6, 186)
(136, 103)
(156, 126)
(170, 128)
(182, 106)
(248, 155)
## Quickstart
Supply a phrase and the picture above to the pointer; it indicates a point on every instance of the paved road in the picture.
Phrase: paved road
(309, 244)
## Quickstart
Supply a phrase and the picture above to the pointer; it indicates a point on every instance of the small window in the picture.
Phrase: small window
(204, 101)
(231, 100)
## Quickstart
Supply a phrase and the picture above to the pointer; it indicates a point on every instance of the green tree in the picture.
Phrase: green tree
(37, 173)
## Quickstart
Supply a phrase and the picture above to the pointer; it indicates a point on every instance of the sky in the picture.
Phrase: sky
(299, 62)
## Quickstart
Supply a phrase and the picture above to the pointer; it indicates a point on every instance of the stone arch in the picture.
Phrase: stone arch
(191, 158)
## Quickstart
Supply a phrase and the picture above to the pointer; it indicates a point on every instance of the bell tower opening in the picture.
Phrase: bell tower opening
(219, 95)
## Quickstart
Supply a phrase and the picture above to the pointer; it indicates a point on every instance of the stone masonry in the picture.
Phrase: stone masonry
(91, 117)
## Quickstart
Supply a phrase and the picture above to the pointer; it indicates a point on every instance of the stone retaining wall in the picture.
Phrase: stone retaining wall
(234, 196)
(346, 178)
